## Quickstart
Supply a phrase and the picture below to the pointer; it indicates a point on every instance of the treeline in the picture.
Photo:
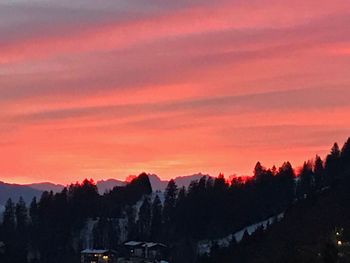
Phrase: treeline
(50, 229)
(214, 207)
(315, 179)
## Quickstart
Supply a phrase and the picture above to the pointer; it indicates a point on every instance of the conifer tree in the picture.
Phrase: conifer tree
(332, 165)
(156, 223)
(305, 183)
(170, 201)
(144, 221)
(21, 215)
(33, 211)
(9, 219)
(319, 172)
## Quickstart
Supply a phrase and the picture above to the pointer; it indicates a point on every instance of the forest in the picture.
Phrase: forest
(49, 230)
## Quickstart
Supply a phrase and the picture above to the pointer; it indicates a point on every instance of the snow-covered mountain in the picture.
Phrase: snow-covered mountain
(186, 180)
(105, 185)
(160, 185)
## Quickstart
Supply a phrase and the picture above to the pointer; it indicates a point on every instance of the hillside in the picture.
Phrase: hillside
(302, 236)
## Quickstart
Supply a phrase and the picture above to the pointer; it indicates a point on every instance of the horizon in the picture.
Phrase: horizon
(130, 177)
(108, 90)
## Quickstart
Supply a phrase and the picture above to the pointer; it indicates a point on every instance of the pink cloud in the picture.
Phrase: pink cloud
(178, 89)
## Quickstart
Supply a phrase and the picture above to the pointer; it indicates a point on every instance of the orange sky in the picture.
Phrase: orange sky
(111, 88)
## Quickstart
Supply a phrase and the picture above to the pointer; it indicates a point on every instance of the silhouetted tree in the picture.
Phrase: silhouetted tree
(181, 195)
(285, 184)
(156, 223)
(14, 251)
(33, 211)
(144, 221)
(9, 219)
(345, 157)
(305, 183)
(319, 172)
(220, 183)
(132, 226)
(83, 199)
(21, 215)
(170, 201)
(258, 171)
(105, 234)
(332, 165)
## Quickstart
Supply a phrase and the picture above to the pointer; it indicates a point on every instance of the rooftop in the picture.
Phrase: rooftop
(94, 251)
(143, 244)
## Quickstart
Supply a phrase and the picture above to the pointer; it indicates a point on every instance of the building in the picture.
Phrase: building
(145, 250)
(134, 249)
(154, 251)
(98, 256)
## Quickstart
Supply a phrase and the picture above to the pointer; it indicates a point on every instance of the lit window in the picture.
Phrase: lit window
(339, 243)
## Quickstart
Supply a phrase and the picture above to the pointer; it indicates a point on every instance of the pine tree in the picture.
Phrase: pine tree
(132, 224)
(261, 174)
(258, 170)
(335, 151)
(144, 221)
(285, 177)
(9, 220)
(21, 215)
(305, 184)
(332, 165)
(220, 183)
(319, 172)
(156, 223)
(345, 157)
(345, 151)
(181, 195)
(170, 201)
(33, 211)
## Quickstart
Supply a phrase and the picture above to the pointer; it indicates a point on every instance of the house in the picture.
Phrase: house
(150, 251)
(154, 251)
(98, 256)
(134, 249)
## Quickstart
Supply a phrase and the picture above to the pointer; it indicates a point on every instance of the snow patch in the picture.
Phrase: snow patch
(204, 246)
(87, 234)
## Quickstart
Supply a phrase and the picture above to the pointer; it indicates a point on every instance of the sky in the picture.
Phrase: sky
(106, 89)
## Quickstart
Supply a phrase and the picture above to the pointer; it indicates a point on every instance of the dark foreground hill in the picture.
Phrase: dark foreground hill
(307, 233)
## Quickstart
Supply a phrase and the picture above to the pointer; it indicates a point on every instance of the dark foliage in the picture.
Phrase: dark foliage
(307, 232)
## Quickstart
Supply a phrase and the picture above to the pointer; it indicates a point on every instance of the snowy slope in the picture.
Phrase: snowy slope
(204, 246)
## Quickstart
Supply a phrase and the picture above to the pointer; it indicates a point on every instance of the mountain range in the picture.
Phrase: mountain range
(28, 191)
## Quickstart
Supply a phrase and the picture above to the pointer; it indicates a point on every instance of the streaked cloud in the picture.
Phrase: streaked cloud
(101, 89)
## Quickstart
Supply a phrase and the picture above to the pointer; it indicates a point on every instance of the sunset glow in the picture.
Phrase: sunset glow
(108, 89)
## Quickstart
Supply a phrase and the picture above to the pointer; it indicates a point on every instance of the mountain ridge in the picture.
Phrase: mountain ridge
(28, 191)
